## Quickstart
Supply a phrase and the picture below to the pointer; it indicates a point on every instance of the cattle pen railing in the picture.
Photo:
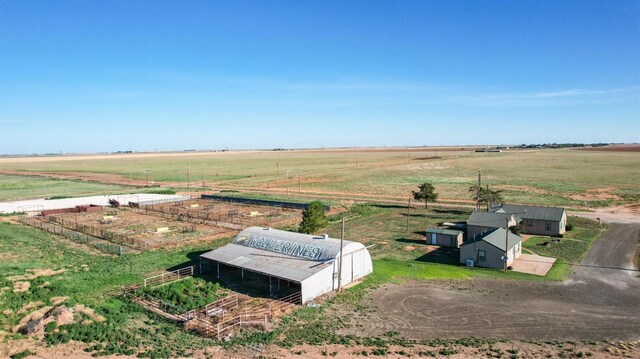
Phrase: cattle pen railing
(217, 319)
(168, 277)
(74, 235)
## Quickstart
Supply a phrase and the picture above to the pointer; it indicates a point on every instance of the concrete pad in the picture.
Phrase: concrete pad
(533, 264)
(34, 205)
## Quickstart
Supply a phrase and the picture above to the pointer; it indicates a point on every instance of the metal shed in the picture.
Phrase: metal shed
(444, 237)
(310, 262)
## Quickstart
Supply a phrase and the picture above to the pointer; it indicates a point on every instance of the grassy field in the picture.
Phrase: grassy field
(86, 276)
(547, 177)
(19, 187)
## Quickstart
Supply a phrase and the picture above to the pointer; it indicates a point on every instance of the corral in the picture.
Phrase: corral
(224, 214)
(138, 230)
(162, 224)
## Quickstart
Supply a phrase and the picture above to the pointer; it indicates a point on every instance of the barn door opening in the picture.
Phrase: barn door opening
(434, 239)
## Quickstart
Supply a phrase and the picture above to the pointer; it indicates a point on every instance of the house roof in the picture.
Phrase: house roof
(496, 237)
(286, 255)
(489, 219)
(450, 232)
(531, 212)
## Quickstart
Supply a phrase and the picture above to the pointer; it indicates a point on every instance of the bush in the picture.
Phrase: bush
(21, 355)
(50, 327)
(569, 227)
(162, 191)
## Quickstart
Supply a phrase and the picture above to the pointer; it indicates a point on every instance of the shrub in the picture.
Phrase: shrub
(50, 327)
(21, 355)
(569, 227)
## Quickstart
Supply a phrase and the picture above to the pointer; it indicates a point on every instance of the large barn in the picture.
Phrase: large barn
(306, 263)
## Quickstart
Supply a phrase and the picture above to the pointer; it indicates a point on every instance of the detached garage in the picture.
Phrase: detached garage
(310, 264)
(444, 237)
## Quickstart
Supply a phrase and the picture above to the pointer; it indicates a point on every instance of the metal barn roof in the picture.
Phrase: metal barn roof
(496, 238)
(531, 212)
(489, 219)
(287, 255)
(449, 232)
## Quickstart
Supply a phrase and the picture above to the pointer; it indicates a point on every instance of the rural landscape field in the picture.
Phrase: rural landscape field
(545, 177)
(274, 179)
(60, 272)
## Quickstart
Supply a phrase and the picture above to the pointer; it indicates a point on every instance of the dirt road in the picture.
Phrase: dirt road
(601, 300)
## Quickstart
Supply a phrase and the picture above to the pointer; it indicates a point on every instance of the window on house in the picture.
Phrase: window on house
(529, 223)
(547, 226)
(482, 255)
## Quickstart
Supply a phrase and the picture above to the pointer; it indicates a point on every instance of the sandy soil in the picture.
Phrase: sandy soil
(618, 214)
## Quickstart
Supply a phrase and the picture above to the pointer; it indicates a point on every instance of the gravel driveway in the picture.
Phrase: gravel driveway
(601, 300)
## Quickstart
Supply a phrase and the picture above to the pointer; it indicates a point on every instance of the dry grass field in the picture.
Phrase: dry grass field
(547, 177)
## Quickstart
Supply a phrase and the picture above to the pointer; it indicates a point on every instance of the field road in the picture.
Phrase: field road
(600, 300)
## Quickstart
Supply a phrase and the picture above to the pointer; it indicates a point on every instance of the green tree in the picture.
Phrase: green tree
(313, 218)
(426, 192)
(486, 196)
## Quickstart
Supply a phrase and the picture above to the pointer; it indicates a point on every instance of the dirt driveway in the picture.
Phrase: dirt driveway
(601, 300)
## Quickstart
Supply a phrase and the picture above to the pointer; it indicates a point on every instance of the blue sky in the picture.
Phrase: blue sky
(89, 76)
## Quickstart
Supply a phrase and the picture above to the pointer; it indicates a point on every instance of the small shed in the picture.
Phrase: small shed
(444, 237)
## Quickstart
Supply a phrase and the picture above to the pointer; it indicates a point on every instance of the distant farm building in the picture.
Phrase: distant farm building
(546, 221)
(488, 249)
(444, 237)
(305, 263)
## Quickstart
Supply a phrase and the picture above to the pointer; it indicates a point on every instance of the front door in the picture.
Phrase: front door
(434, 239)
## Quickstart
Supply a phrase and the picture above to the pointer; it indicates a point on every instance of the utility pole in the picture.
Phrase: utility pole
(188, 181)
(287, 183)
(340, 265)
(478, 190)
(277, 168)
(506, 244)
(408, 215)
(506, 239)
(487, 194)
(202, 175)
(299, 181)
(147, 172)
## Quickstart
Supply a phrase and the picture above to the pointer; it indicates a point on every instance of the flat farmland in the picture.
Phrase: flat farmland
(547, 177)
(20, 187)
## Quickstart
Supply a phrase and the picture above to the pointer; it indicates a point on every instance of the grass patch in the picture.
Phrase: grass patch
(187, 294)
(127, 327)
(24, 187)
(161, 191)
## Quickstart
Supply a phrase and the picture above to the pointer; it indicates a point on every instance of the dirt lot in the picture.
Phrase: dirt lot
(622, 148)
(216, 211)
(618, 214)
(599, 301)
(146, 230)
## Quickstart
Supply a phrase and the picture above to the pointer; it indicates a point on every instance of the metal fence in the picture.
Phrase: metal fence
(54, 228)
(168, 277)
(260, 202)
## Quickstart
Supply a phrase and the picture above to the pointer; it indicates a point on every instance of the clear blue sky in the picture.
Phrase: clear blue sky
(87, 76)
